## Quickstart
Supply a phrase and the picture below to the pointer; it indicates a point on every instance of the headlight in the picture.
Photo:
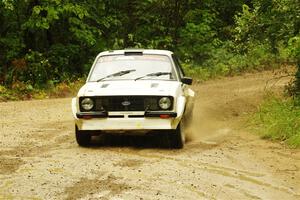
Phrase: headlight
(87, 104)
(165, 103)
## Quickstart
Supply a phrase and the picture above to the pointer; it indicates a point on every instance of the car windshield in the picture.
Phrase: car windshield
(138, 67)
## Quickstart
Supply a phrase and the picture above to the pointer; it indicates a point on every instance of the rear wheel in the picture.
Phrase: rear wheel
(177, 137)
(83, 138)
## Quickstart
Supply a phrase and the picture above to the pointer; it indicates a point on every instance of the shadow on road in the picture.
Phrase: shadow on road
(145, 141)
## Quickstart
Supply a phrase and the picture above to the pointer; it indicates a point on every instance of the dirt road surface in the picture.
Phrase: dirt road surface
(39, 158)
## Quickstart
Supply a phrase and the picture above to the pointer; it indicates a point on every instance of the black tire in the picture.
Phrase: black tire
(83, 138)
(176, 138)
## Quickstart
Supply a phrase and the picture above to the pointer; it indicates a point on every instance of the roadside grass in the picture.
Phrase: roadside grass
(216, 70)
(22, 91)
(278, 119)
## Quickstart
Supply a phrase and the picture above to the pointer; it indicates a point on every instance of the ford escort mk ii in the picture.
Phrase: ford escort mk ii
(134, 92)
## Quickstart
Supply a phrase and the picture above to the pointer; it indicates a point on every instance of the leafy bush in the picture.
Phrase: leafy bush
(38, 70)
(294, 48)
(199, 37)
(224, 62)
(22, 91)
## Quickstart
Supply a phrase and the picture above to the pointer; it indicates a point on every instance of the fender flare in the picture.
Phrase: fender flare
(74, 107)
(180, 108)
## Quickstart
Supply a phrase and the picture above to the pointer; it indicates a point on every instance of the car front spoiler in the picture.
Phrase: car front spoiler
(160, 114)
(104, 114)
(88, 115)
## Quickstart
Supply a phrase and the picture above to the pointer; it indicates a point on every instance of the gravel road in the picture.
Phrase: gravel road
(39, 158)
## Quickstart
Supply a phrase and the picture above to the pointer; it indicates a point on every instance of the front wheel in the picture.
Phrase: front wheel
(177, 137)
(83, 139)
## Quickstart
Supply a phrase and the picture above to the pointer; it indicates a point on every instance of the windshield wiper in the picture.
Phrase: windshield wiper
(120, 73)
(154, 74)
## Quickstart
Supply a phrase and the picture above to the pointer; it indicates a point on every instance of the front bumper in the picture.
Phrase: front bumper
(114, 121)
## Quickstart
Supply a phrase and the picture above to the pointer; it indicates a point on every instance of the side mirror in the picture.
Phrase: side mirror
(187, 80)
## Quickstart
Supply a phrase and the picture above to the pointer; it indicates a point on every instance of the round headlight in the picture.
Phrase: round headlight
(87, 104)
(164, 103)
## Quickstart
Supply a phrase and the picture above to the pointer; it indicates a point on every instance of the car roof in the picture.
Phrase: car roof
(136, 51)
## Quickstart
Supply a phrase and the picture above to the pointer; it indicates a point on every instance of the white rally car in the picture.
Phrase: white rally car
(134, 91)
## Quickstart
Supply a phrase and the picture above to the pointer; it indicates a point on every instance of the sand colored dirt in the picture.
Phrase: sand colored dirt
(39, 158)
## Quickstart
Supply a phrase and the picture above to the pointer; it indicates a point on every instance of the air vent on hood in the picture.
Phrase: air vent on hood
(104, 85)
(154, 85)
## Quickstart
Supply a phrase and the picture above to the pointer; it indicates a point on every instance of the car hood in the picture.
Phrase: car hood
(130, 87)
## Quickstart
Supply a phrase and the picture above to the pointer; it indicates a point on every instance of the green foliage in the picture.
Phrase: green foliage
(45, 42)
(294, 47)
(268, 22)
(294, 51)
(34, 69)
(279, 119)
(224, 62)
(38, 70)
(200, 40)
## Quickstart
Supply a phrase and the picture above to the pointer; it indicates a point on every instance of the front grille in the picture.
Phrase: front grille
(121, 103)
(126, 103)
